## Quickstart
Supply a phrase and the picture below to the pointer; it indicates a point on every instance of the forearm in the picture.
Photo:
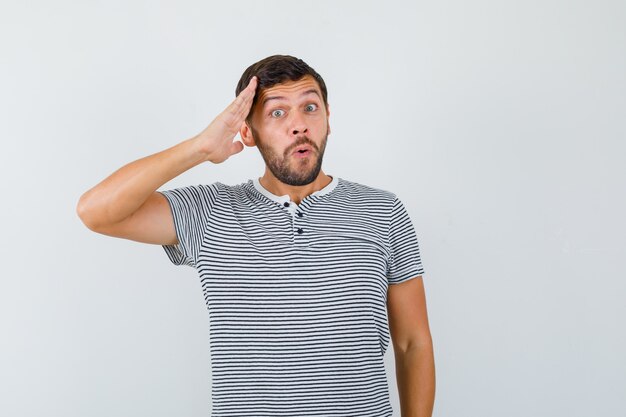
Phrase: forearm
(125, 190)
(415, 375)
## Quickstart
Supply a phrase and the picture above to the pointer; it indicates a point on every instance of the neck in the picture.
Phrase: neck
(296, 192)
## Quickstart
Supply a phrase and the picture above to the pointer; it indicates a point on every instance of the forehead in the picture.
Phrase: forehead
(289, 90)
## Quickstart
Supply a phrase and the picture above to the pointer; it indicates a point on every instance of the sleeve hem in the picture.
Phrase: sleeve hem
(176, 253)
(407, 277)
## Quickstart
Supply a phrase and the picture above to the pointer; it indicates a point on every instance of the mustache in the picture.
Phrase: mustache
(302, 140)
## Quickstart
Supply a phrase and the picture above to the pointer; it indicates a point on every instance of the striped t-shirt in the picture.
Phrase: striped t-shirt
(296, 293)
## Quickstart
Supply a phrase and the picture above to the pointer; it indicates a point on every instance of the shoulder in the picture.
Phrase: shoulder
(367, 192)
(231, 192)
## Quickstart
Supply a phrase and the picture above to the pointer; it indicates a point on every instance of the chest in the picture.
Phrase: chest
(339, 259)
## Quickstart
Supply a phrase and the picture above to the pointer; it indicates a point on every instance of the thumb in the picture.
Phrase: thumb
(236, 147)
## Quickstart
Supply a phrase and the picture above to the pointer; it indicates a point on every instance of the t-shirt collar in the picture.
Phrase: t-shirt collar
(284, 198)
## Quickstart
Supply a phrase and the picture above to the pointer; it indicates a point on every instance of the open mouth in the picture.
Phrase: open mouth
(302, 151)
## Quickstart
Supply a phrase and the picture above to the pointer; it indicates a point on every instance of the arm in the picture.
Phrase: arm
(413, 349)
(126, 204)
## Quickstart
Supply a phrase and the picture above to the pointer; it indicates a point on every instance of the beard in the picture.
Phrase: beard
(289, 169)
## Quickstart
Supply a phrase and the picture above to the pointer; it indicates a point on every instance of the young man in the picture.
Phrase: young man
(306, 276)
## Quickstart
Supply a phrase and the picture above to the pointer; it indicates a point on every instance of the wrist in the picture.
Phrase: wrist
(199, 153)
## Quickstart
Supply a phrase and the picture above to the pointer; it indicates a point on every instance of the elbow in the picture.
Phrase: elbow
(81, 212)
(84, 214)
(420, 344)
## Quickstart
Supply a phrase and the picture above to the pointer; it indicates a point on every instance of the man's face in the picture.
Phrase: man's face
(286, 117)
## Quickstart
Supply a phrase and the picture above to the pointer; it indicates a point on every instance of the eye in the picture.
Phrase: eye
(273, 113)
(312, 105)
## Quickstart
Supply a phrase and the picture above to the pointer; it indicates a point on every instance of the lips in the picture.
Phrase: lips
(302, 149)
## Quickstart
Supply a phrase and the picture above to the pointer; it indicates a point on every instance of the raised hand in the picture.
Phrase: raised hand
(217, 139)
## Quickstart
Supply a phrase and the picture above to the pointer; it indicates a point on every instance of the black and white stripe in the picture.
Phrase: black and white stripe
(296, 295)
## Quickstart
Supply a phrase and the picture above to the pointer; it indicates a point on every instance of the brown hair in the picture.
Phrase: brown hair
(274, 70)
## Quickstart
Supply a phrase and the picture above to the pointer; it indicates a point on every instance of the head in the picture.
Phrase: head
(290, 109)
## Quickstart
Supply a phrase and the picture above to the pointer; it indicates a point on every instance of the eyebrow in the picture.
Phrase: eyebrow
(310, 91)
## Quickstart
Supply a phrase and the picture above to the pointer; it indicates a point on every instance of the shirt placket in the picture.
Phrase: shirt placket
(299, 227)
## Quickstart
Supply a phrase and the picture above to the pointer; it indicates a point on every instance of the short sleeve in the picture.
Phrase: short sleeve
(405, 260)
(191, 207)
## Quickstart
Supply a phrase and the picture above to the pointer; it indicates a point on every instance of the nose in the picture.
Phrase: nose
(298, 125)
(298, 131)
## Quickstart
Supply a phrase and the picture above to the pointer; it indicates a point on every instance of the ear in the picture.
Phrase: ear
(246, 135)
(327, 117)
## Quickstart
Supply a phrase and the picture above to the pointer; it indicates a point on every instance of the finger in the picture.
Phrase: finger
(240, 107)
(236, 147)
(252, 83)
(248, 93)
(243, 100)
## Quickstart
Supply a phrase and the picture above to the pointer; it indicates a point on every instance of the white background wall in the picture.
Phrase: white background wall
(501, 125)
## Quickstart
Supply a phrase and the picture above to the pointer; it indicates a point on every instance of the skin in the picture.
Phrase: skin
(413, 347)
(278, 126)
(127, 205)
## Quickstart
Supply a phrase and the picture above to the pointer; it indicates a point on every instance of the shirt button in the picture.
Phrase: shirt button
(299, 214)
(300, 230)
(286, 204)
